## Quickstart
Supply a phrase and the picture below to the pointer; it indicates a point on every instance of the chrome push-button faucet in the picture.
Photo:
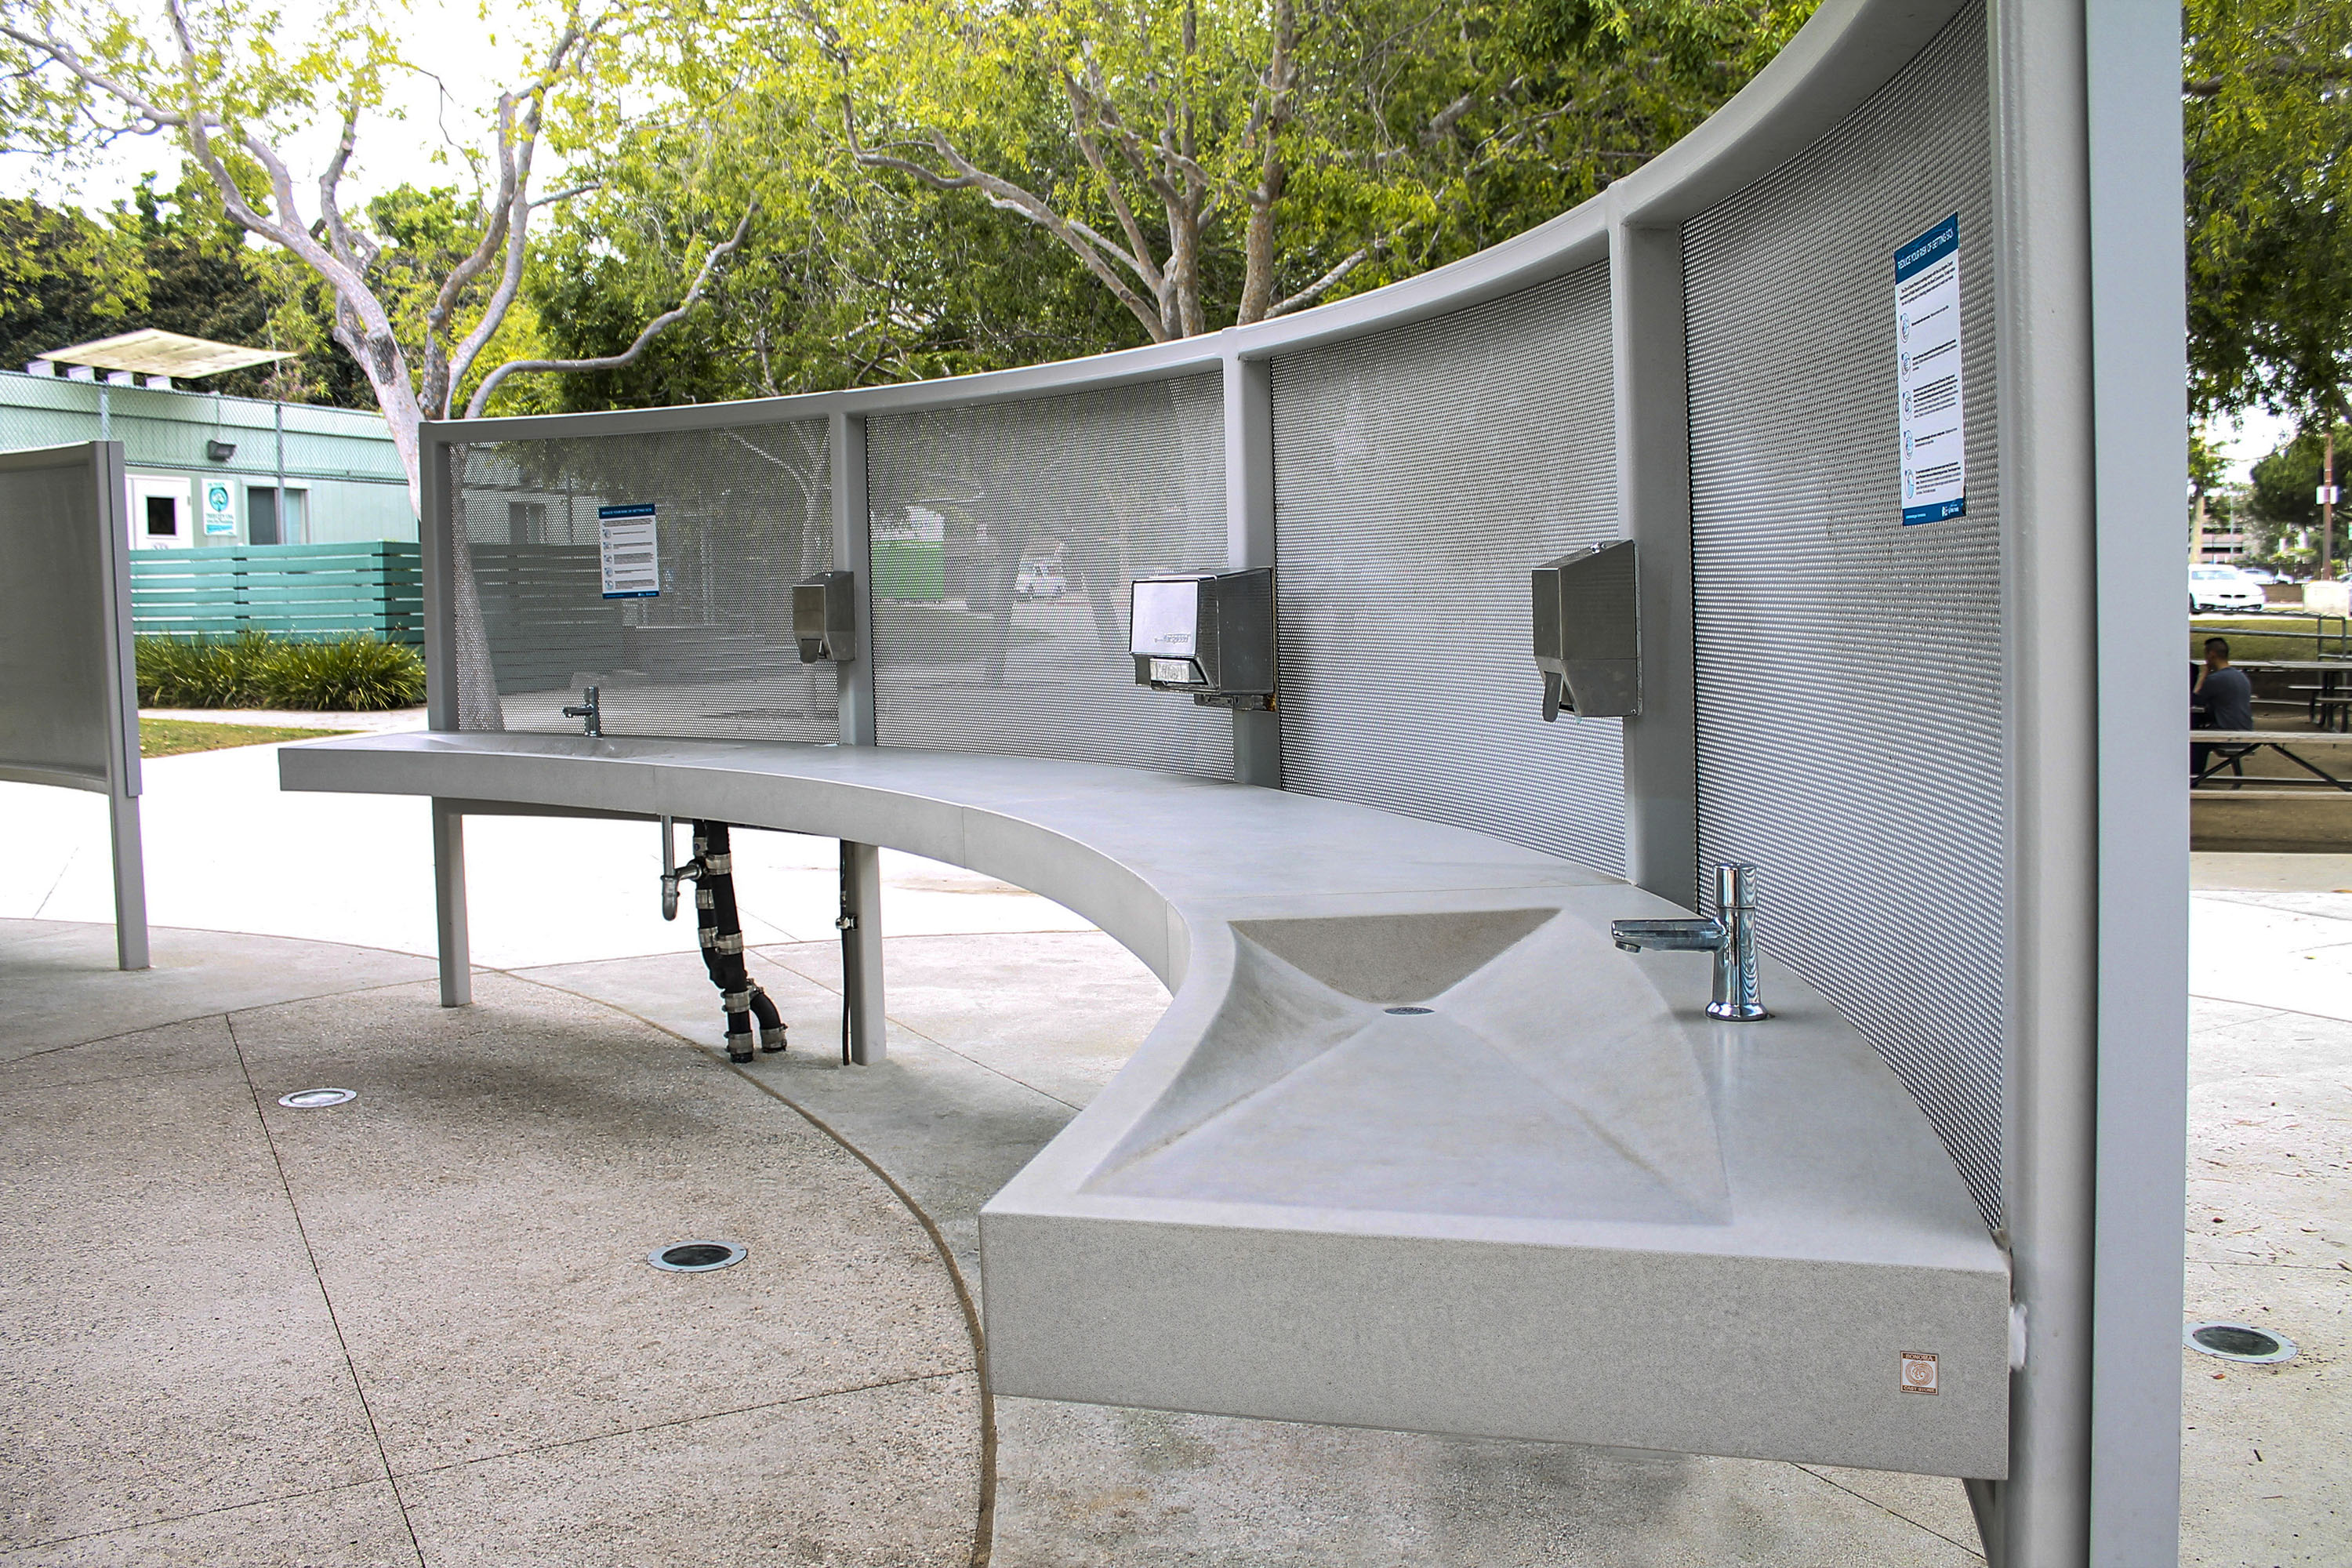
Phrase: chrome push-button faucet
(1731, 936)
(590, 710)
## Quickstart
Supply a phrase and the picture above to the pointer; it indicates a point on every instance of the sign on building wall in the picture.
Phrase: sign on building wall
(1927, 374)
(631, 557)
(220, 509)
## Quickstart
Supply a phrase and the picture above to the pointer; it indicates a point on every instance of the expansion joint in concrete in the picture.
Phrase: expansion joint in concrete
(326, 1296)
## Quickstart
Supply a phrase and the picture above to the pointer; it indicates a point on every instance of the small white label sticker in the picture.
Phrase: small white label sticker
(1918, 1372)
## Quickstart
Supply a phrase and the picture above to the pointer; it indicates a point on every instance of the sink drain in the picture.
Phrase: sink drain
(1406, 1012)
(312, 1098)
(697, 1257)
(2240, 1342)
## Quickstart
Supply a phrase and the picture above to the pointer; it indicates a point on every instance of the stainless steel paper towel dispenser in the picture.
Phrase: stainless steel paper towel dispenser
(1207, 633)
(1588, 633)
(824, 616)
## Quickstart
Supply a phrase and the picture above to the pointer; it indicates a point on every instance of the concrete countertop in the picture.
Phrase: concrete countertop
(1552, 1199)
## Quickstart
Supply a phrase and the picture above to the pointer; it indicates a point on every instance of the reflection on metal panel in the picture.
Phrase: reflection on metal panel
(55, 580)
(1004, 536)
(1850, 691)
(740, 516)
(1419, 476)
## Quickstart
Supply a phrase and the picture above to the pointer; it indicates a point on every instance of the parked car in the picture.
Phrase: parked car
(1040, 580)
(2223, 588)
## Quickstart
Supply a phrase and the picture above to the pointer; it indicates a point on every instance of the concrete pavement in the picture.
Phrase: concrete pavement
(419, 1328)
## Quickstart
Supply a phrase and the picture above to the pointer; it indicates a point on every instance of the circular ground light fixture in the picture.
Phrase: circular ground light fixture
(697, 1257)
(312, 1099)
(2240, 1342)
(1406, 1012)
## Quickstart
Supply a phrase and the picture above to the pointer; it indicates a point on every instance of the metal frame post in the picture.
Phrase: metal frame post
(1654, 509)
(2039, 1517)
(852, 527)
(124, 784)
(2139, 414)
(861, 864)
(434, 541)
(1249, 538)
(861, 951)
(453, 948)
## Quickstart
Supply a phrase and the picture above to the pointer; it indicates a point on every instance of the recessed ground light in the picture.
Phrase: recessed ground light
(312, 1099)
(697, 1257)
(1406, 1012)
(2240, 1342)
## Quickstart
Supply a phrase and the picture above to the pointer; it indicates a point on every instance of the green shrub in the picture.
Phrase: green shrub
(254, 670)
(202, 671)
(357, 674)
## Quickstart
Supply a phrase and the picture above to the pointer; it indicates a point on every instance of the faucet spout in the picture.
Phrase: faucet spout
(1731, 936)
(588, 709)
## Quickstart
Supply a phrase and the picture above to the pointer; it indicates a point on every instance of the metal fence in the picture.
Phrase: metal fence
(306, 591)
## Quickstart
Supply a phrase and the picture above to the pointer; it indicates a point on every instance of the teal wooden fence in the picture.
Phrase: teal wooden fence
(294, 590)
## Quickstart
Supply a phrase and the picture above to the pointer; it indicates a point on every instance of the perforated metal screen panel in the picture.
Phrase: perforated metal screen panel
(1005, 537)
(56, 577)
(1419, 475)
(739, 516)
(1851, 734)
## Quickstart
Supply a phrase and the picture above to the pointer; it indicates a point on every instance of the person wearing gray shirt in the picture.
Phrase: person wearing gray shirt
(2223, 699)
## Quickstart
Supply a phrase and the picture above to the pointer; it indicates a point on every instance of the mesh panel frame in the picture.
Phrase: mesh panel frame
(1419, 475)
(1870, 791)
(744, 512)
(1113, 483)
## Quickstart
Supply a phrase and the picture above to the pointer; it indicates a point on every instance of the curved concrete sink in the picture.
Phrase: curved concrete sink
(1561, 1203)
(1307, 1090)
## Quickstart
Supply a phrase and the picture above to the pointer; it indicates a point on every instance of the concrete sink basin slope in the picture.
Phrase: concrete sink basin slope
(1559, 1203)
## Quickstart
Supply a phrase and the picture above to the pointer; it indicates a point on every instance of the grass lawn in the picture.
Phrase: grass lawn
(171, 737)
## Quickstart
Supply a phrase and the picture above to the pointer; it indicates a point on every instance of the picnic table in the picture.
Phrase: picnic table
(2230, 746)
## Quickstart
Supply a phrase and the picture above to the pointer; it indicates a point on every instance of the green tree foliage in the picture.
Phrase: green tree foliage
(2269, 140)
(170, 259)
(945, 185)
(2285, 487)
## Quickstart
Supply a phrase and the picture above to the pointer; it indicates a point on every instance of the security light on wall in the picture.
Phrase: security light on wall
(220, 451)
(1210, 634)
(1588, 639)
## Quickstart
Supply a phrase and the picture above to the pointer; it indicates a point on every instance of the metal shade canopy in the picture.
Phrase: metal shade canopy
(152, 352)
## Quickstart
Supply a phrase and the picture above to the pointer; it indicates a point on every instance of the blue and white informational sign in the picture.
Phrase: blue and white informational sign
(220, 509)
(1927, 374)
(631, 556)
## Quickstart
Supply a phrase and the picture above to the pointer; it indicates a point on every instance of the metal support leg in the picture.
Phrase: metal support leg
(861, 951)
(130, 883)
(450, 906)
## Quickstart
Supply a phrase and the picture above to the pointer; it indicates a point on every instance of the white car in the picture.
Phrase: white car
(1040, 580)
(2223, 588)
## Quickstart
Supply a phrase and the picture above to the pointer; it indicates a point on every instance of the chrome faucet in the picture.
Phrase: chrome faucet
(1731, 936)
(589, 711)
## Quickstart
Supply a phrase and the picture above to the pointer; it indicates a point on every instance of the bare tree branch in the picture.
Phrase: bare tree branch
(1323, 285)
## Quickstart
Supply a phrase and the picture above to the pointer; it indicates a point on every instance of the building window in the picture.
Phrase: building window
(274, 517)
(162, 517)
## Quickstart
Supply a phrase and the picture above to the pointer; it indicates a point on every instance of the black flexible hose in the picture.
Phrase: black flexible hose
(719, 929)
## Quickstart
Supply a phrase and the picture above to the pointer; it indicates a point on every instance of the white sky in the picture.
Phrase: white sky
(2251, 439)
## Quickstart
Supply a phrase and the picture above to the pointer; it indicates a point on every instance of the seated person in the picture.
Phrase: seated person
(2221, 699)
